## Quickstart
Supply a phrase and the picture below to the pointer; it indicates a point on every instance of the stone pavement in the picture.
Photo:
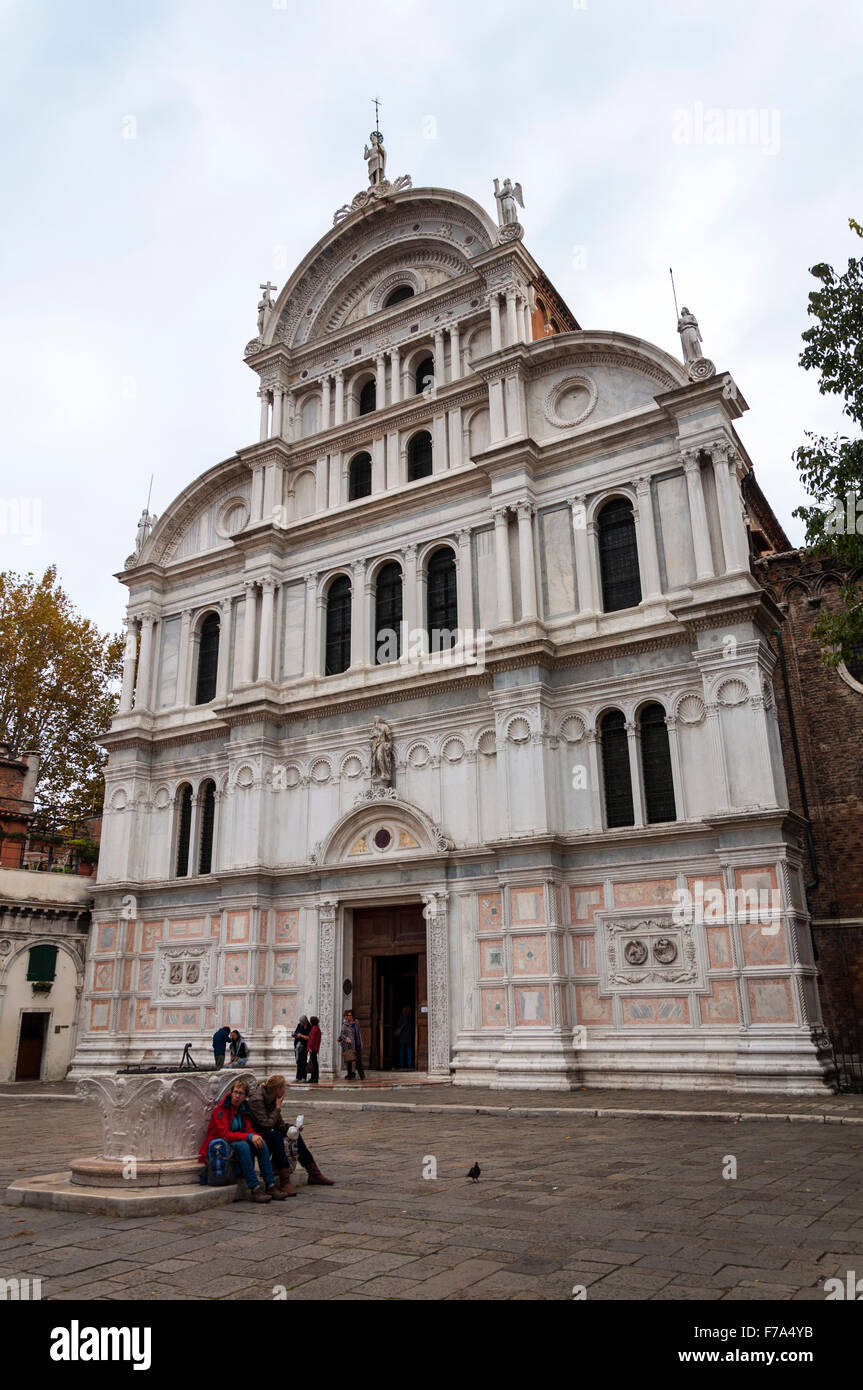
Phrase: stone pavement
(631, 1208)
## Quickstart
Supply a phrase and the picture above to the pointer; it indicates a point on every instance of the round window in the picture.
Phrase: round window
(383, 838)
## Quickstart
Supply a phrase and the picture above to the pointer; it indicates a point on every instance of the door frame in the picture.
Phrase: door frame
(47, 1014)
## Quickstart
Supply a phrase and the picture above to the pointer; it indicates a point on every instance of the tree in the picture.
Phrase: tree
(832, 469)
(58, 678)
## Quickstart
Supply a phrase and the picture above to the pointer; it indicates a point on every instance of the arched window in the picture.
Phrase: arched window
(615, 771)
(388, 614)
(397, 295)
(656, 766)
(208, 659)
(207, 803)
(424, 375)
(442, 601)
(369, 397)
(618, 556)
(420, 456)
(360, 477)
(854, 662)
(338, 644)
(184, 829)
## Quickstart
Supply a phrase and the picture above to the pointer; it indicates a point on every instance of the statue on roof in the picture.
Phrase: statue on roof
(376, 157)
(698, 366)
(507, 197)
(265, 306)
(145, 526)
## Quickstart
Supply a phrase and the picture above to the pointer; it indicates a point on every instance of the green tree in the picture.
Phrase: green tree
(832, 469)
(58, 678)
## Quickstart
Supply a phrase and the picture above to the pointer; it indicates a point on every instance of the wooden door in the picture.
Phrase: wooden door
(383, 935)
(31, 1045)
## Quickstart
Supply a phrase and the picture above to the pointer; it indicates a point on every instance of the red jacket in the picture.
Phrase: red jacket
(220, 1125)
(315, 1039)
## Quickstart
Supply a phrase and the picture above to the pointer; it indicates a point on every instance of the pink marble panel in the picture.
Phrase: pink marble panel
(764, 945)
(285, 1010)
(770, 1001)
(236, 968)
(653, 892)
(489, 911)
(182, 931)
(106, 937)
(529, 955)
(288, 925)
(719, 947)
(238, 926)
(181, 1018)
(286, 968)
(528, 905)
(145, 1017)
(100, 1015)
(103, 975)
(532, 1006)
(123, 1016)
(493, 1008)
(590, 1008)
(151, 932)
(584, 902)
(491, 959)
(584, 955)
(658, 1013)
(721, 1005)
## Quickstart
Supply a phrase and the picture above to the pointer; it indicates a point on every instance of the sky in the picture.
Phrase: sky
(161, 160)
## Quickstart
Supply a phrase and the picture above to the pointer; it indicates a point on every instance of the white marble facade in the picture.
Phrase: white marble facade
(555, 950)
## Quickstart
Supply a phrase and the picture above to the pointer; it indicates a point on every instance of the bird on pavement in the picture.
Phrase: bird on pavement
(474, 1172)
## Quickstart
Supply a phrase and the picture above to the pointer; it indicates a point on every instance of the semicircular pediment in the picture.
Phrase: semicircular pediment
(203, 517)
(381, 826)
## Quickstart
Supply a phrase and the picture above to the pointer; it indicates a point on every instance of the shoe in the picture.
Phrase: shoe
(275, 1194)
(285, 1183)
(259, 1195)
(316, 1177)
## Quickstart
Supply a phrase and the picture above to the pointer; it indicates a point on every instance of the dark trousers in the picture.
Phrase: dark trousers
(301, 1063)
(219, 1059)
(313, 1063)
(406, 1056)
(276, 1145)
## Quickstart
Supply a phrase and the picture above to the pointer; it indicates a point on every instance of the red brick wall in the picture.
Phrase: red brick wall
(829, 718)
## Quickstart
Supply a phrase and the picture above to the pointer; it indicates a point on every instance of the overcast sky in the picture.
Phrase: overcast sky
(131, 265)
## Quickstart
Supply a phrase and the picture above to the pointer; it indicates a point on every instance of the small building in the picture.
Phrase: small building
(44, 923)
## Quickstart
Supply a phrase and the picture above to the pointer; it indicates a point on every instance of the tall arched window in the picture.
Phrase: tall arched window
(615, 771)
(656, 766)
(184, 829)
(397, 295)
(420, 456)
(442, 601)
(207, 803)
(388, 614)
(338, 643)
(208, 659)
(360, 477)
(618, 556)
(424, 375)
(369, 397)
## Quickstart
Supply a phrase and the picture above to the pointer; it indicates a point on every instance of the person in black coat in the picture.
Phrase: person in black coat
(220, 1045)
(301, 1046)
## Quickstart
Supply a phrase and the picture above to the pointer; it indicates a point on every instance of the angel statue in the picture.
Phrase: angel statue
(382, 752)
(376, 157)
(507, 197)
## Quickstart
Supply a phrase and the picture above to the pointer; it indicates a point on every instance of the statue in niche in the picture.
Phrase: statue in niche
(382, 752)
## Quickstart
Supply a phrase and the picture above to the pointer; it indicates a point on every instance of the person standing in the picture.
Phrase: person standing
(314, 1048)
(301, 1043)
(403, 1035)
(351, 1043)
(239, 1051)
(220, 1045)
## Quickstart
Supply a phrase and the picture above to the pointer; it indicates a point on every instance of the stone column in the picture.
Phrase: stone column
(249, 624)
(454, 353)
(497, 419)
(594, 763)
(511, 317)
(183, 673)
(264, 398)
(380, 381)
(698, 515)
(734, 540)
(528, 332)
(265, 650)
(494, 308)
(501, 557)
(326, 401)
(439, 450)
(651, 586)
(465, 583)
(587, 600)
(455, 437)
(379, 465)
(330, 1022)
(277, 412)
(676, 767)
(593, 557)
(340, 400)
(321, 484)
(310, 647)
(145, 662)
(410, 596)
(526, 559)
(395, 377)
(226, 610)
(359, 656)
(130, 657)
(439, 368)
(635, 773)
(437, 938)
(256, 505)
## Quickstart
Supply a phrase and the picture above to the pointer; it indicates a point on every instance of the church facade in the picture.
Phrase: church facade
(454, 692)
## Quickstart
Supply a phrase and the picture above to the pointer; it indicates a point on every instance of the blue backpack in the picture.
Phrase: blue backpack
(220, 1164)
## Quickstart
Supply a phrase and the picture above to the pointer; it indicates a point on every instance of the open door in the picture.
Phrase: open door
(31, 1047)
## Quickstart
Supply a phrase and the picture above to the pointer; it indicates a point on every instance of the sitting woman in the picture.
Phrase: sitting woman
(286, 1144)
(232, 1121)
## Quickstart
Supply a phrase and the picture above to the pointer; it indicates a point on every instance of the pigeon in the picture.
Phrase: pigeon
(474, 1172)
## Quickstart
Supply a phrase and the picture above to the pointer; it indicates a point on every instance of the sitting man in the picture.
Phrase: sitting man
(285, 1144)
(231, 1120)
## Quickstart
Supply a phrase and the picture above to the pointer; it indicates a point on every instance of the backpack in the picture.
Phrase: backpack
(220, 1164)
